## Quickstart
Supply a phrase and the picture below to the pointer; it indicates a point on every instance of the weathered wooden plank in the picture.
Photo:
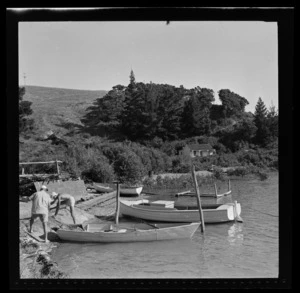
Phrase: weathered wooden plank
(32, 163)
(37, 175)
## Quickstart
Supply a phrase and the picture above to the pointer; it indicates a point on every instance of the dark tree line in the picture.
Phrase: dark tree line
(147, 111)
(162, 112)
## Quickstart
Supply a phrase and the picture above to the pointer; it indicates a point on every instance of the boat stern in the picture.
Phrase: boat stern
(234, 211)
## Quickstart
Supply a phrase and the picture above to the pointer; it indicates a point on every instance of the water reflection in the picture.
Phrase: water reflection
(235, 234)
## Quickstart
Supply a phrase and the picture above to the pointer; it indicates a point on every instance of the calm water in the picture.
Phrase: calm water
(231, 250)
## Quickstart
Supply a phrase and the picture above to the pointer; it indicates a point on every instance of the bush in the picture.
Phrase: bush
(219, 174)
(179, 165)
(227, 160)
(262, 175)
(100, 171)
(160, 162)
(239, 171)
(129, 168)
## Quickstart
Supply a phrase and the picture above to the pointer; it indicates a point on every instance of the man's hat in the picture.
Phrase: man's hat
(53, 194)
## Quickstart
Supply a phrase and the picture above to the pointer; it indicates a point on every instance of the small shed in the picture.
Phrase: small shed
(198, 150)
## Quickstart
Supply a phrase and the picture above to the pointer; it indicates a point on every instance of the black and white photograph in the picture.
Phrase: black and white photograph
(148, 149)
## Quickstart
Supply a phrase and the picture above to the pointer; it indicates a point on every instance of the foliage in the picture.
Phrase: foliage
(232, 103)
(106, 109)
(239, 136)
(152, 110)
(129, 168)
(151, 123)
(25, 110)
(196, 113)
(239, 171)
(219, 174)
(99, 171)
(261, 122)
(272, 123)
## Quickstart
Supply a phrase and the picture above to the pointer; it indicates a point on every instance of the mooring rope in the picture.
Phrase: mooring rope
(263, 213)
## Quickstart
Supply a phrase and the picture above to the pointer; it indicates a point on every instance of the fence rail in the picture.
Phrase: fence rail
(36, 163)
(32, 163)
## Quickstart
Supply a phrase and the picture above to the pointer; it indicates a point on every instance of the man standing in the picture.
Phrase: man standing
(68, 199)
(41, 201)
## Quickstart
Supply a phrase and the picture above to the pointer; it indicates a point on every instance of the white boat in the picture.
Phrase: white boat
(167, 211)
(189, 193)
(101, 188)
(215, 194)
(131, 190)
(135, 232)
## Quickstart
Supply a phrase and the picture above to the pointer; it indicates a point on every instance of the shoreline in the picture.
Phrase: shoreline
(35, 256)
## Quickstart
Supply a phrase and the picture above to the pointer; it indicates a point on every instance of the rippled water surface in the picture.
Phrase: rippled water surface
(231, 250)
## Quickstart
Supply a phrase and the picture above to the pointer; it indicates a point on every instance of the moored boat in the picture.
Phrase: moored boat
(215, 194)
(167, 211)
(102, 188)
(135, 232)
(131, 190)
(189, 193)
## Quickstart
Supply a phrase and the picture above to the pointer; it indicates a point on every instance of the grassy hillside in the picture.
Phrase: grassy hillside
(59, 109)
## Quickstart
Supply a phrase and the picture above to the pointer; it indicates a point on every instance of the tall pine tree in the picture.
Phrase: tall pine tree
(260, 120)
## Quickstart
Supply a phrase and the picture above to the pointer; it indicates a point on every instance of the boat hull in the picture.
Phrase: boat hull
(164, 232)
(223, 213)
(102, 189)
(134, 191)
(204, 194)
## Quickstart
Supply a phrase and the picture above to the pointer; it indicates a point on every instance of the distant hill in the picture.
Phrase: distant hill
(58, 108)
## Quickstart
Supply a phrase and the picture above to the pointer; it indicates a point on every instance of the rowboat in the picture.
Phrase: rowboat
(215, 194)
(189, 193)
(131, 190)
(135, 232)
(167, 211)
(101, 188)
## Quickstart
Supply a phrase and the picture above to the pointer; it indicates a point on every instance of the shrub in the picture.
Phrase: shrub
(179, 165)
(262, 175)
(129, 168)
(160, 162)
(219, 174)
(100, 171)
(239, 171)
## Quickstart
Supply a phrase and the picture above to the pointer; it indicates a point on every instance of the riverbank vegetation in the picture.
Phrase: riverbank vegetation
(136, 130)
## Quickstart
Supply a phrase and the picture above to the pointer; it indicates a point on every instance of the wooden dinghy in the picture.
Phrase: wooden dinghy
(135, 232)
(131, 190)
(215, 195)
(102, 188)
(166, 211)
(189, 193)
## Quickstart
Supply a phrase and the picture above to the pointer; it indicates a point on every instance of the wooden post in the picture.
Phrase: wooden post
(229, 187)
(57, 167)
(23, 171)
(198, 198)
(117, 203)
(216, 191)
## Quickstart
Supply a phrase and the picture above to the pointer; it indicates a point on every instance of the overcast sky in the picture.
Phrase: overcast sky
(240, 56)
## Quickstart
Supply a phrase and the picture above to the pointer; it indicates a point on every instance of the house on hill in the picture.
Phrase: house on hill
(198, 150)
